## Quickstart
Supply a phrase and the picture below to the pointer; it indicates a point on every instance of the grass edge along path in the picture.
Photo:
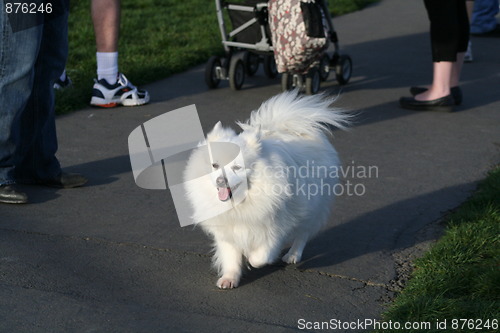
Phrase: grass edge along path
(455, 286)
(158, 38)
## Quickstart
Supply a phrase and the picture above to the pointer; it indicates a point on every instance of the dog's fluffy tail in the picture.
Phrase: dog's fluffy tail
(297, 115)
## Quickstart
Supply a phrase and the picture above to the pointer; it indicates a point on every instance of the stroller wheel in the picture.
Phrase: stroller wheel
(343, 69)
(236, 73)
(324, 67)
(286, 81)
(212, 70)
(270, 67)
(313, 81)
(251, 61)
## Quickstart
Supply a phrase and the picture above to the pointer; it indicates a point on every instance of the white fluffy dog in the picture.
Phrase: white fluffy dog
(279, 193)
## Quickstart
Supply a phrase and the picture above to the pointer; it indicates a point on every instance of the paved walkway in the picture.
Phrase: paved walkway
(111, 257)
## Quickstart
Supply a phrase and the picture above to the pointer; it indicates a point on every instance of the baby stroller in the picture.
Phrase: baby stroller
(246, 46)
(301, 31)
(262, 34)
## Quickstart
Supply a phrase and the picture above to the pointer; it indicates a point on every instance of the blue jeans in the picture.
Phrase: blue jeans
(483, 17)
(31, 60)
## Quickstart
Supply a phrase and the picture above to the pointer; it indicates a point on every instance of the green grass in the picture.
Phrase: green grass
(459, 278)
(158, 38)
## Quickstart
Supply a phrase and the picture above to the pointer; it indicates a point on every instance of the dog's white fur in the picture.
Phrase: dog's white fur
(288, 131)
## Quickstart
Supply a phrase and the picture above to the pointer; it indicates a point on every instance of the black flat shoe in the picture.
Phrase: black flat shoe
(444, 104)
(456, 92)
(64, 180)
(8, 194)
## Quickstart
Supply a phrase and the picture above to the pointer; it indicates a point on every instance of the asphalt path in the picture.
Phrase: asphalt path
(112, 257)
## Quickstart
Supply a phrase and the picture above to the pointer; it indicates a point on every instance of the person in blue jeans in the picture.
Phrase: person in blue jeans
(33, 52)
(484, 17)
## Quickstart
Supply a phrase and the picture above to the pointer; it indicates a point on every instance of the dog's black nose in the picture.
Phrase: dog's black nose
(221, 181)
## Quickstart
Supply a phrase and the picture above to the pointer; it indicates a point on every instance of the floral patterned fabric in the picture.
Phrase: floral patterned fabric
(294, 50)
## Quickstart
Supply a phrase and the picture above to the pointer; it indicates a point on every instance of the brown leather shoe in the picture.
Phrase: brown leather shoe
(8, 194)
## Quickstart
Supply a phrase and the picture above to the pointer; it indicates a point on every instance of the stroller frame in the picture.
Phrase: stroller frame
(264, 45)
(242, 58)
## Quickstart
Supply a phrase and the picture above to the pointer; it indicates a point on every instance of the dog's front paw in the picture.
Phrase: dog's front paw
(227, 283)
(291, 258)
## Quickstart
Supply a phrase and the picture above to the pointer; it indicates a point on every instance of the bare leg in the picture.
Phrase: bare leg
(441, 82)
(106, 20)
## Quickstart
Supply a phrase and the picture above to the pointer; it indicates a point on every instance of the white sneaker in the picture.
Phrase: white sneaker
(468, 54)
(123, 92)
(60, 84)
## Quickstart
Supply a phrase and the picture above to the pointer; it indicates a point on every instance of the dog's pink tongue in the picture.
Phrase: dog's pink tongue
(224, 193)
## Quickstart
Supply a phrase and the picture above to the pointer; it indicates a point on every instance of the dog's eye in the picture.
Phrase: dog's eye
(215, 165)
(236, 167)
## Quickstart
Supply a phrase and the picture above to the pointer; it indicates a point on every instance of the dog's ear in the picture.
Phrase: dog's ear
(220, 133)
(216, 132)
(217, 126)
